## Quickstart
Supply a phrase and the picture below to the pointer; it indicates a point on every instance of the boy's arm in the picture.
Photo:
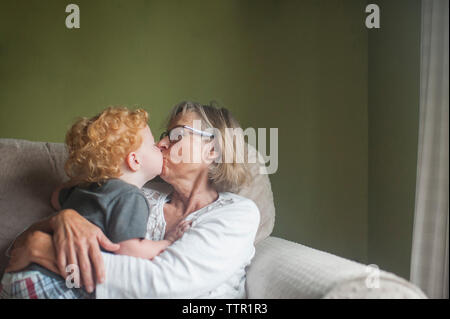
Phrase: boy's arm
(148, 249)
(142, 248)
(54, 200)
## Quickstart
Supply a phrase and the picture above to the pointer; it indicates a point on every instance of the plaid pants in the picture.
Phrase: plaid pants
(33, 284)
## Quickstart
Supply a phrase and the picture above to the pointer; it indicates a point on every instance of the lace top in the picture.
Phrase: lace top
(157, 197)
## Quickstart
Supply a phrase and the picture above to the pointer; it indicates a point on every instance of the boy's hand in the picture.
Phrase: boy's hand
(178, 231)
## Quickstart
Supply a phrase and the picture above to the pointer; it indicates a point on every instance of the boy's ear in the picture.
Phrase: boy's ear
(132, 161)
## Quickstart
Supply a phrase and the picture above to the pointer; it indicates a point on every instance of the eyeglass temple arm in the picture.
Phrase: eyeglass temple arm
(198, 131)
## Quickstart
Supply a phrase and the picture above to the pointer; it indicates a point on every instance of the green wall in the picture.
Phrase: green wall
(394, 66)
(300, 66)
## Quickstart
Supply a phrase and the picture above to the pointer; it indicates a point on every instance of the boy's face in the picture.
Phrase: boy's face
(150, 155)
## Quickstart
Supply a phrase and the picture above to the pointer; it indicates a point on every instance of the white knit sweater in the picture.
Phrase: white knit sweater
(208, 261)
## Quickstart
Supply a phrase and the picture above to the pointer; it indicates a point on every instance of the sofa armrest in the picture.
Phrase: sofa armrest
(284, 269)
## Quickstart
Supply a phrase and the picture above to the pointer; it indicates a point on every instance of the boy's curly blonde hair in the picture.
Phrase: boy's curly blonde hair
(97, 146)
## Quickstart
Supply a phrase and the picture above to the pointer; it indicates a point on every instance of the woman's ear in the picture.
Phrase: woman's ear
(210, 152)
(132, 162)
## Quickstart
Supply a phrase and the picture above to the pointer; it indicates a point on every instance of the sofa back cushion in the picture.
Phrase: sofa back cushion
(29, 172)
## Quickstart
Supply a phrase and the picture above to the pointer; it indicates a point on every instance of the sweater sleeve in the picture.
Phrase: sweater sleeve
(218, 244)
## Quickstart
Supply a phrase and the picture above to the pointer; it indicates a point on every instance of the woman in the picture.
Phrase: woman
(209, 261)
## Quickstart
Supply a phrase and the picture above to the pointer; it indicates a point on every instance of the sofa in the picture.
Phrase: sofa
(29, 171)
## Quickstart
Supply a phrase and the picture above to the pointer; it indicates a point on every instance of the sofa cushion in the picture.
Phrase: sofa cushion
(284, 269)
(29, 173)
(260, 191)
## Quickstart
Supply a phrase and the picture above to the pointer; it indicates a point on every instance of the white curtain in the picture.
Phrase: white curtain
(429, 260)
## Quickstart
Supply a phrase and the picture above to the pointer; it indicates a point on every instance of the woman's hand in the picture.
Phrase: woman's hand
(178, 231)
(21, 253)
(77, 242)
(36, 247)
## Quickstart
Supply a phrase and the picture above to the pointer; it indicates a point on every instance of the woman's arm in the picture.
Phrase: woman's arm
(22, 239)
(216, 246)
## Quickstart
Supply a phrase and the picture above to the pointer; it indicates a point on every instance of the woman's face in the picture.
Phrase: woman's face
(189, 156)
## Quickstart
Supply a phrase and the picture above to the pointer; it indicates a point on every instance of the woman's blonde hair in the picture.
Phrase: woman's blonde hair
(97, 146)
(224, 175)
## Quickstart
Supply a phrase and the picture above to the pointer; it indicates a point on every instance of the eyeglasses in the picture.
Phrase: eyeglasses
(176, 133)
